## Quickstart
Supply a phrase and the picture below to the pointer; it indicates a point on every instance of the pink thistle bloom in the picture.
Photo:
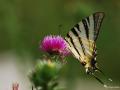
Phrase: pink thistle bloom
(54, 45)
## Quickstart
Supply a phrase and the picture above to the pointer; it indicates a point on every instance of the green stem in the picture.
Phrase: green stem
(45, 87)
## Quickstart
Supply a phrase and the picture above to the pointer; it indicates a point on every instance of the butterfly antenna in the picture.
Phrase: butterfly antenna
(104, 75)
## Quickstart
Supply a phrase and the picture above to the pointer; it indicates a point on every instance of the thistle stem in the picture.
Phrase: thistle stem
(45, 87)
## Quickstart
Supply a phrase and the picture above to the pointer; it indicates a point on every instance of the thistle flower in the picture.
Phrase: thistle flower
(53, 44)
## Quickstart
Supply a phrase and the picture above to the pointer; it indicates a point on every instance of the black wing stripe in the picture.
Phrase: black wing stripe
(67, 42)
(86, 28)
(78, 27)
(71, 40)
(71, 48)
(79, 38)
(74, 32)
(88, 20)
(82, 45)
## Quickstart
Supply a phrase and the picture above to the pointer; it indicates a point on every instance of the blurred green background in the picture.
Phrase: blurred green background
(23, 23)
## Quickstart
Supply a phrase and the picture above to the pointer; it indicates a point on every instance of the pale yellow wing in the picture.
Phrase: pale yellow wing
(82, 37)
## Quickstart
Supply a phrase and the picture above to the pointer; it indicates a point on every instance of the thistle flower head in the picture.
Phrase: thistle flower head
(44, 73)
(53, 44)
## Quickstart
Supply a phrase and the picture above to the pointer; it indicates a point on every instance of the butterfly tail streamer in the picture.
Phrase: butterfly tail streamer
(104, 74)
(104, 85)
(98, 79)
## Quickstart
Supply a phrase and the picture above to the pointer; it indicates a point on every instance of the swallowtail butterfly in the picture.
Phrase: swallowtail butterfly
(81, 41)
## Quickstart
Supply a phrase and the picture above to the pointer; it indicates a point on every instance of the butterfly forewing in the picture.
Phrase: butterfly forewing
(72, 47)
(81, 38)
(98, 18)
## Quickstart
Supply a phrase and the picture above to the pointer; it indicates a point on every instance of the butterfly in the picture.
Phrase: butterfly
(81, 41)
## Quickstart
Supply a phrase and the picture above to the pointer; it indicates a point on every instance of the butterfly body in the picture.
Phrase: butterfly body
(81, 40)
